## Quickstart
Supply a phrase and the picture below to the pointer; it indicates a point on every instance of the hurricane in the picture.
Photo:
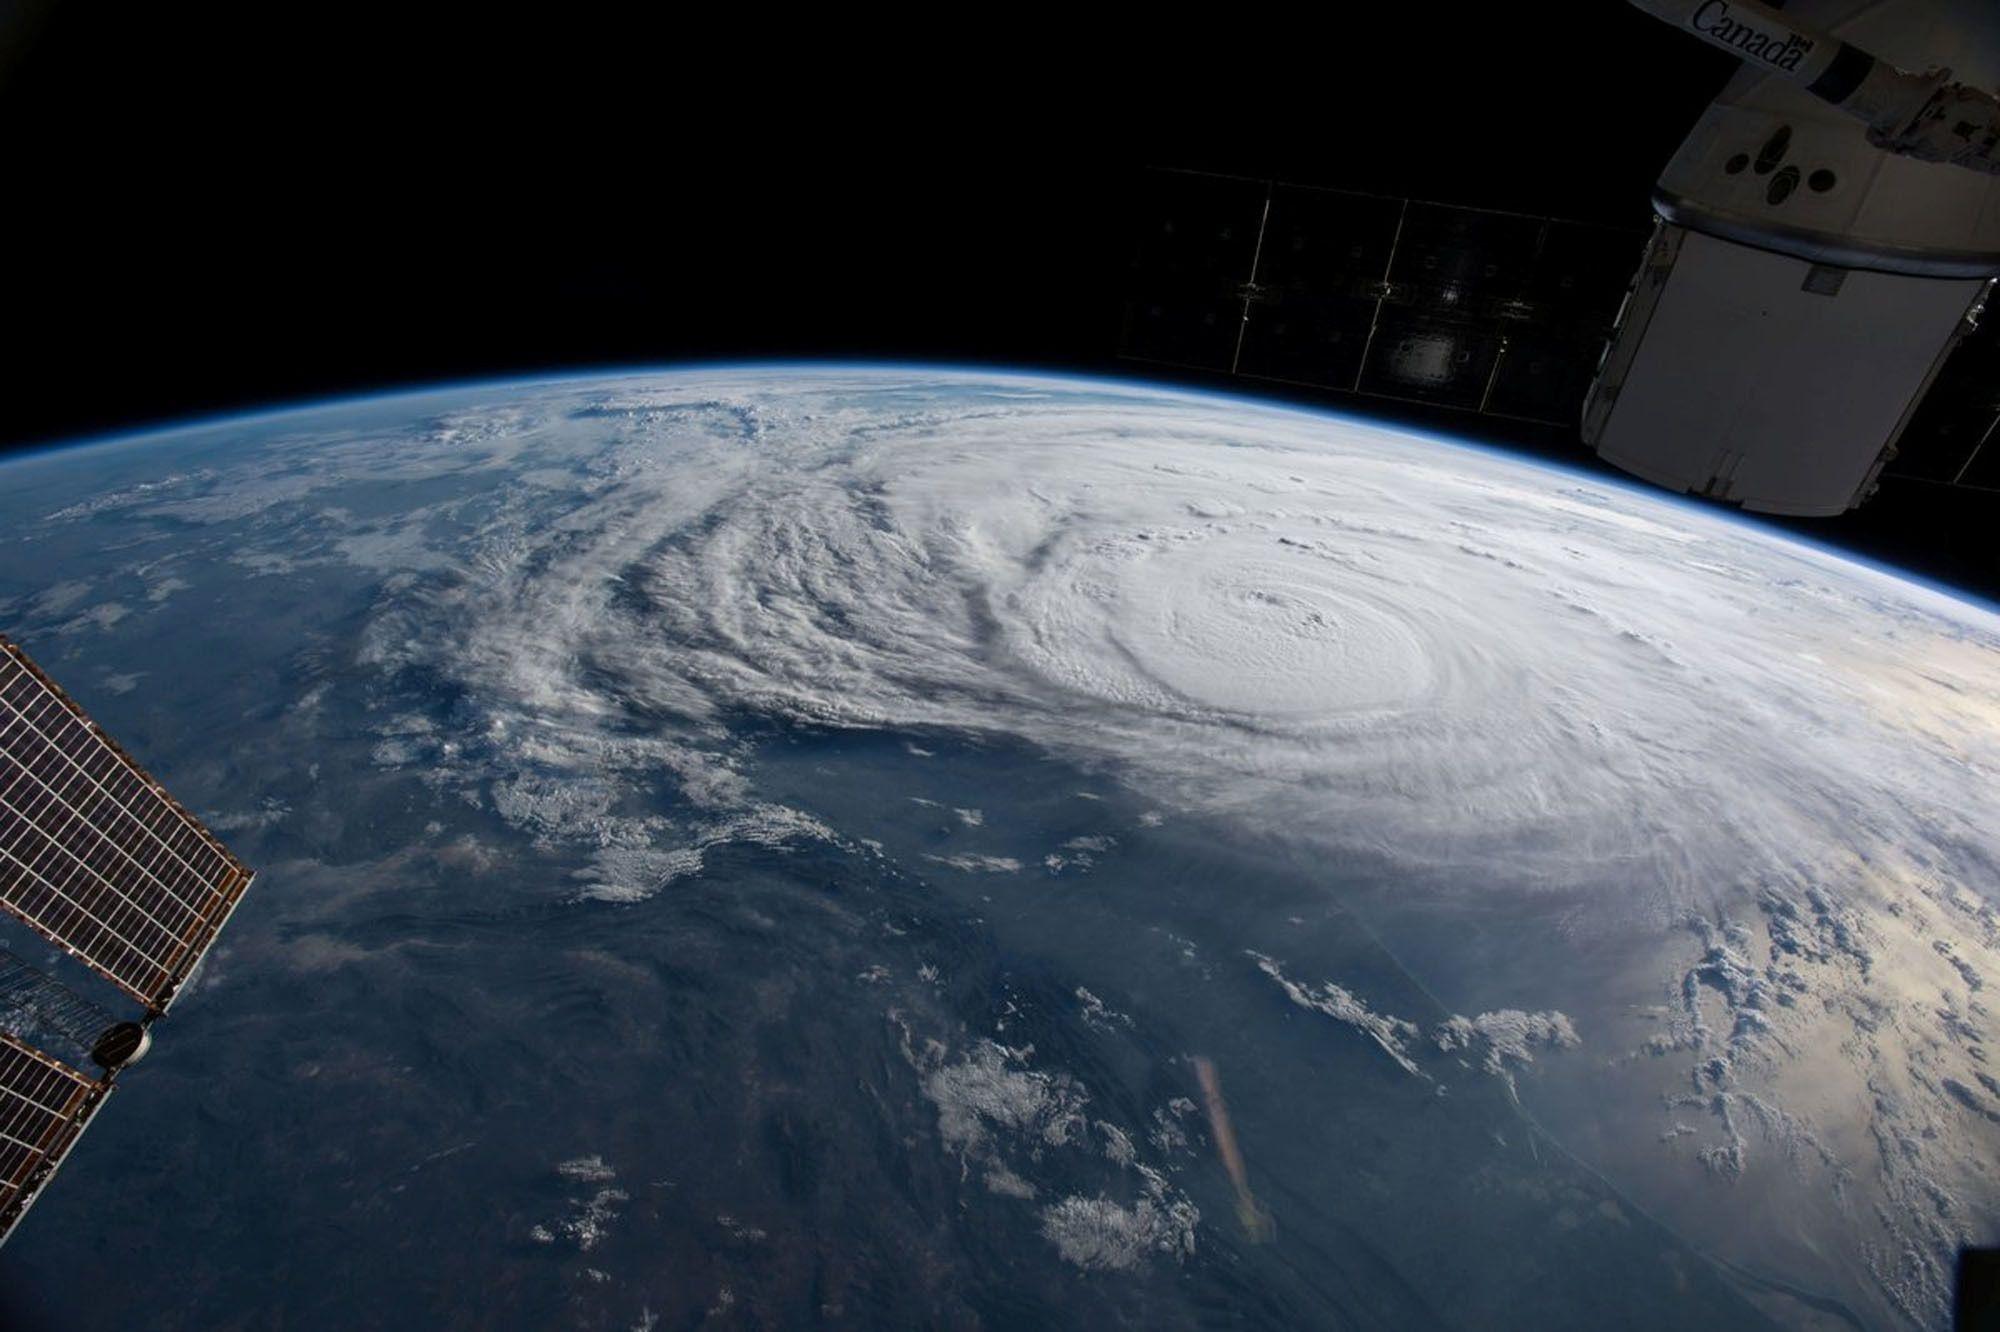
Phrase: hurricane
(1338, 632)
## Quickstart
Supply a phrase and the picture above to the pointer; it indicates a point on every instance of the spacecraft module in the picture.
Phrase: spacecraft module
(1827, 234)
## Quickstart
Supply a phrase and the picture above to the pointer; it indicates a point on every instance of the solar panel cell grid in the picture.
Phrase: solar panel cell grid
(93, 853)
(1460, 307)
(44, 1105)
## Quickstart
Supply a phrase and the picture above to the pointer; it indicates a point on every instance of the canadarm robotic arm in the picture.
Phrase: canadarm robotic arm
(1926, 116)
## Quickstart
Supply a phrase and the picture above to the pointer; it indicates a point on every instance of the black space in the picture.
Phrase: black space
(214, 207)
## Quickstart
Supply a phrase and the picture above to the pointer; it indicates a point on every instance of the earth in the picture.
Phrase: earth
(877, 846)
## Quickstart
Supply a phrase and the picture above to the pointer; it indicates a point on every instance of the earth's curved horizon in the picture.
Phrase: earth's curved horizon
(786, 843)
(146, 432)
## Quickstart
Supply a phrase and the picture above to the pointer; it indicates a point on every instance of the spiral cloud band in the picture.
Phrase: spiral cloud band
(1459, 660)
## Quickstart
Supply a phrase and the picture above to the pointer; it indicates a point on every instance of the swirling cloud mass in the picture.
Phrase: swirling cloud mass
(1460, 662)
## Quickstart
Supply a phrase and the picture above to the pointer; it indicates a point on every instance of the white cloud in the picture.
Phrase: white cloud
(973, 863)
(1099, 1233)
(1508, 1037)
(1008, 1120)
(1504, 1040)
(1393, 1034)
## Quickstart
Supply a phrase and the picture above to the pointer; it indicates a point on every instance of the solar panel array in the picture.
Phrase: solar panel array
(44, 1106)
(39, 1009)
(93, 853)
(1493, 312)
(1953, 438)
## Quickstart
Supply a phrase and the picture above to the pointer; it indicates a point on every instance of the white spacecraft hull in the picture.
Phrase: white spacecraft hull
(1717, 382)
(1805, 285)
